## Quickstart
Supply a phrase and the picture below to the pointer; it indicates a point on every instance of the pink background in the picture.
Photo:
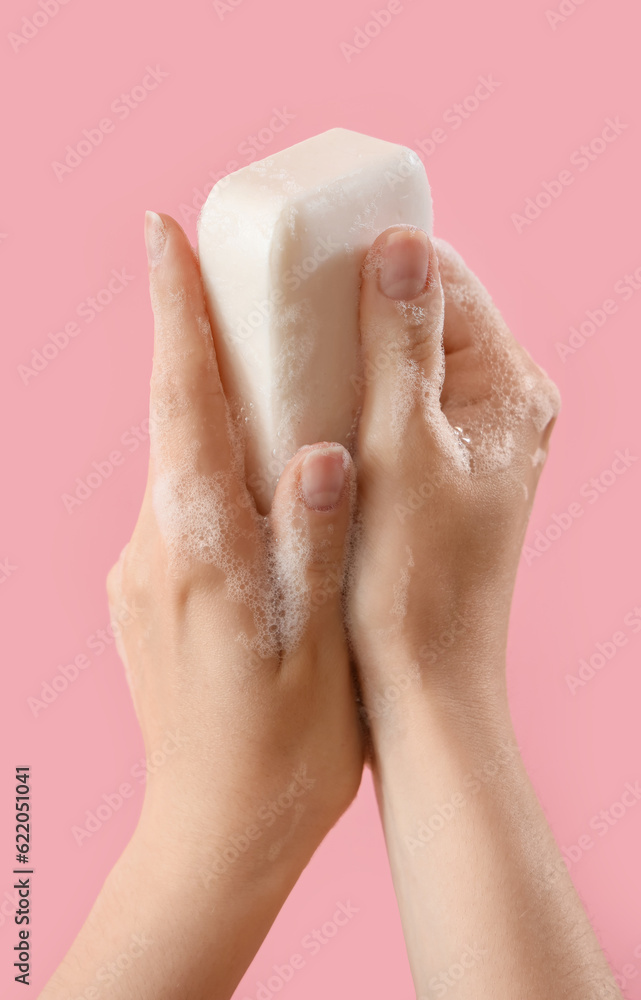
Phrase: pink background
(59, 242)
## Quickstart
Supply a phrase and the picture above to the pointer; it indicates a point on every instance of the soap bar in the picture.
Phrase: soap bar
(281, 244)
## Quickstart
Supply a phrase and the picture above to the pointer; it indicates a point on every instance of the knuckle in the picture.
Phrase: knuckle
(325, 572)
(189, 583)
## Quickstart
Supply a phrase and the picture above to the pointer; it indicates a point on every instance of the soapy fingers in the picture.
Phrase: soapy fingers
(188, 408)
(493, 390)
(310, 521)
(451, 442)
(401, 321)
(438, 353)
(275, 572)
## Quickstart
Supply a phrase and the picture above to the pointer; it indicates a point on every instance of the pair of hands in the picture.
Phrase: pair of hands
(376, 592)
(240, 642)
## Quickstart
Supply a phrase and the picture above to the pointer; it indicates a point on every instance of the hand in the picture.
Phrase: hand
(238, 641)
(454, 432)
(452, 440)
(232, 637)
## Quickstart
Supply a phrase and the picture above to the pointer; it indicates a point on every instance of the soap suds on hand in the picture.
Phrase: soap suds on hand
(515, 391)
(285, 305)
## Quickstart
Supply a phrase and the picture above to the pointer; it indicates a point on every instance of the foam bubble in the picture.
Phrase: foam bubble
(511, 391)
(200, 520)
(210, 518)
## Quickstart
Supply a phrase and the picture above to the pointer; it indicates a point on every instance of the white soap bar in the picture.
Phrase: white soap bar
(281, 245)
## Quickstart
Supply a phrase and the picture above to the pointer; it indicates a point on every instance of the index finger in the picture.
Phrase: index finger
(188, 406)
(493, 392)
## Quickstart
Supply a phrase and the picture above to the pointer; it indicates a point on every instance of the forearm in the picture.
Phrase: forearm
(166, 927)
(486, 901)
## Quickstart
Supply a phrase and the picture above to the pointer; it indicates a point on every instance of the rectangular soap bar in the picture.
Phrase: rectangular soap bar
(281, 245)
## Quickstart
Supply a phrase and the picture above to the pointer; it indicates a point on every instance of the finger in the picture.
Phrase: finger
(475, 335)
(493, 392)
(401, 322)
(188, 408)
(196, 488)
(310, 520)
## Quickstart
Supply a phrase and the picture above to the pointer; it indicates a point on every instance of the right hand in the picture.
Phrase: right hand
(443, 511)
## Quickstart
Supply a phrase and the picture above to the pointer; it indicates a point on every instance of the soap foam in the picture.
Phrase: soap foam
(200, 521)
(517, 390)
(414, 387)
(211, 519)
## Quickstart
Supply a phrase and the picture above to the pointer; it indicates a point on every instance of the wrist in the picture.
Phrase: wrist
(461, 693)
(226, 858)
(451, 640)
(438, 766)
(196, 926)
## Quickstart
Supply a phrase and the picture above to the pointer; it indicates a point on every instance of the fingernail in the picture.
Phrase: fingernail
(323, 477)
(406, 259)
(155, 238)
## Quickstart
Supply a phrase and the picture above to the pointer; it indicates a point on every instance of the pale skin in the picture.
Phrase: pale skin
(270, 739)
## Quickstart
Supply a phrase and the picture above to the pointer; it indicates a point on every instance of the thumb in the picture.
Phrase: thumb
(310, 520)
(401, 324)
